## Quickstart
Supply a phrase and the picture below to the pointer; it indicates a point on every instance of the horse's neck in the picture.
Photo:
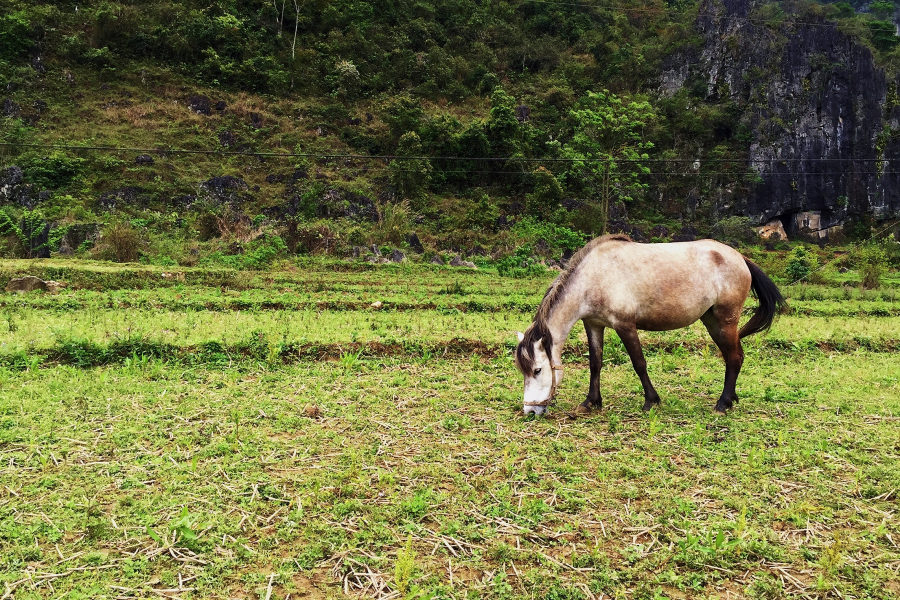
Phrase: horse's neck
(560, 321)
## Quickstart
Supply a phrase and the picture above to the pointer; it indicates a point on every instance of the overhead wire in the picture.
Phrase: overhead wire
(390, 157)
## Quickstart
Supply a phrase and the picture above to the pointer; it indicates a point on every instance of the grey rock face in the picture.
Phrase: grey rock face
(397, 256)
(807, 93)
(144, 159)
(78, 234)
(437, 260)
(13, 188)
(10, 108)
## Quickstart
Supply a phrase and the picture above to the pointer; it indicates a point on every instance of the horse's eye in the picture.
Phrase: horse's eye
(537, 372)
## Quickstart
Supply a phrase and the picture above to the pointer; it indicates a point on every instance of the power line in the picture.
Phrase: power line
(390, 157)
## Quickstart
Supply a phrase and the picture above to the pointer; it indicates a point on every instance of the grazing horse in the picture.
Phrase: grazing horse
(617, 283)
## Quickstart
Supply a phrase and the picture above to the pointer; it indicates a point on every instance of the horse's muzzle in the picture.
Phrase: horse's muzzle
(537, 410)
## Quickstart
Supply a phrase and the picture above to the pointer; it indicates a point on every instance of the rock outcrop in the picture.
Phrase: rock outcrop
(824, 118)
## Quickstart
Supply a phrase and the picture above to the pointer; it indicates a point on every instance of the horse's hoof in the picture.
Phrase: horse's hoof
(581, 409)
(719, 411)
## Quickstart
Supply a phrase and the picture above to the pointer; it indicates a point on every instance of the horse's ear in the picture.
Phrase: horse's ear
(520, 335)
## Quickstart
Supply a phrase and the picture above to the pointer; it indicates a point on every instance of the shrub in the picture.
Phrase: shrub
(54, 171)
(481, 213)
(871, 260)
(801, 262)
(545, 198)
(15, 35)
(393, 222)
(557, 238)
(735, 230)
(263, 252)
(121, 242)
(520, 264)
(410, 176)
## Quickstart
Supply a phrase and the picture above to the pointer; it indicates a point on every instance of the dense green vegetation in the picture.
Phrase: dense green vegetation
(527, 82)
(210, 441)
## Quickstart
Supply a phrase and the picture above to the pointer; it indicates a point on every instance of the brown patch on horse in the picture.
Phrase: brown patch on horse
(538, 330)
(717, 258)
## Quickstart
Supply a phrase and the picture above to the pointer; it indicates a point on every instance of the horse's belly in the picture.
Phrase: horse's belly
(666, 322)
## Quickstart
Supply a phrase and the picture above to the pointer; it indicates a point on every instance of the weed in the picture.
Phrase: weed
(404, 567)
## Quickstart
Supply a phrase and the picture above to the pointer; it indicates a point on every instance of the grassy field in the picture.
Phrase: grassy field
(270, 435)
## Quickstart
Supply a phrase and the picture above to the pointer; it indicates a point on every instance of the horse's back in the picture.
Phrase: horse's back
(664, 286)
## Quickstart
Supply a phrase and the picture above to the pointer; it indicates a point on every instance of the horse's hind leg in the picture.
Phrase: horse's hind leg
(595, 352)
(632, 343)
(722, 324)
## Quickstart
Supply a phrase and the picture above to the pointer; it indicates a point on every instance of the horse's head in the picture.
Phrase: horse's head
(533, 359)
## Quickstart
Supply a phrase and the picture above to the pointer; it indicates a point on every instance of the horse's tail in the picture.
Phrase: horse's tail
(770, 301)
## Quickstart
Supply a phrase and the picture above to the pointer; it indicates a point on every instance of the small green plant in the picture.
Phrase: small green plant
(349, 360)
(185, 527)
(403, 569)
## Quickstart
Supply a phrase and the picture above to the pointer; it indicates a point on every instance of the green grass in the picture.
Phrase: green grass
(203, 458)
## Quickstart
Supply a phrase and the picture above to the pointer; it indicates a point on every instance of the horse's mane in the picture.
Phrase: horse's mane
(539, 330)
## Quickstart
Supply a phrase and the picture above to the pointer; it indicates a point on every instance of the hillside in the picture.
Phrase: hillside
(517, 124)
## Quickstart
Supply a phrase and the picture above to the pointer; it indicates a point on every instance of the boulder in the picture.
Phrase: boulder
(397, 256)
(660, 231)
(144, 159)
(687, 234)
(126, 196)
(414, 243)
(256, 120)
(200, 104)
(227, 139)
(456, 261)
(437, 260)
(225, 190)
(221, 105)
(29, 283)
(376, 250)
(773, 231)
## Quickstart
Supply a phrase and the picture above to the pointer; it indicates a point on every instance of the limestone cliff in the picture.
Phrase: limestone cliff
(824, 118)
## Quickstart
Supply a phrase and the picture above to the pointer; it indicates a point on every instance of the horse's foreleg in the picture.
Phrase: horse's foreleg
(595, 349)
(632, 343)
(724, 332)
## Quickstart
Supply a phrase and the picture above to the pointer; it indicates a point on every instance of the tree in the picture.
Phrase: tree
(410, 176)
(883, 9)
(607, 149)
